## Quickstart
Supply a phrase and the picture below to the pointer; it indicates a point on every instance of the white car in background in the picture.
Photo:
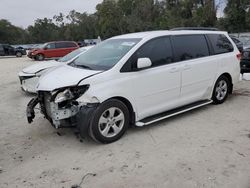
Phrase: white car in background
(29, 76)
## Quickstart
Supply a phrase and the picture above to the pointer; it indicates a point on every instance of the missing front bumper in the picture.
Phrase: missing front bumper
(78, 116)
(51, 111)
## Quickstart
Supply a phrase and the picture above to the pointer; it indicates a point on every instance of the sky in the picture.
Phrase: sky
(23, 13)
(221, 5)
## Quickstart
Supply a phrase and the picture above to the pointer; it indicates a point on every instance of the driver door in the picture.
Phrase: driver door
(50, 50)
(155, 89)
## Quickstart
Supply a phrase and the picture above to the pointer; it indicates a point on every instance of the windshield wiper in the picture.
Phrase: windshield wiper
(81, 66)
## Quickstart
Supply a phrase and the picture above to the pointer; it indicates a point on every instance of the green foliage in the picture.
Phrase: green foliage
(114, 17)
(10, 33)
(236, 16)
(43, 30)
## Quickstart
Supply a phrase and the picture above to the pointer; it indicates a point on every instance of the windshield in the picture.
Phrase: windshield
(71, 55)
(105, 55)
(41, 46)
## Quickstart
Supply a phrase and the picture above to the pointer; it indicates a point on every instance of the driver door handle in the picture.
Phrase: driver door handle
(187, 67)
(174, 69)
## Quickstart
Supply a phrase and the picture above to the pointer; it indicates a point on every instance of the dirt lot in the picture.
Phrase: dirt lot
(209, 147)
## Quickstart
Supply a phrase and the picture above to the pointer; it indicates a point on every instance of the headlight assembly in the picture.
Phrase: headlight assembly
(70, 93)
(64, 96)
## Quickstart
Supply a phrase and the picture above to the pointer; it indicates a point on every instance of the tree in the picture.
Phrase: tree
(236, 16)
(11, 34)
(115, 17)
(44, 30)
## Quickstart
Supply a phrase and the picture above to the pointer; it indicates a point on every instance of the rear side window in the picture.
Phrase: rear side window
(60, 45)
(70, 45)
(190, 47)
(65, 45)
(220, 43)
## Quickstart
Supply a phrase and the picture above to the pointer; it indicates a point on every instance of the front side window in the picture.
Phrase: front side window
(105, 55)
(220, 43)
(190, 47)
(158, 50)
(50, 46)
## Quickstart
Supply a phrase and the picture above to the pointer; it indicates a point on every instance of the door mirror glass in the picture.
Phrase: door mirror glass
(45, 48)
(143, 63)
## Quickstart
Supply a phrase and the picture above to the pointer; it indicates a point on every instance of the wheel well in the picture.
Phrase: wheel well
(38, 55)
(230, 80)
(130, 108)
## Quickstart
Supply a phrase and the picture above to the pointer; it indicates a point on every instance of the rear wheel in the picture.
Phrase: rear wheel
(109, 122)
(19, 54)
(221, 90)
(39, 57)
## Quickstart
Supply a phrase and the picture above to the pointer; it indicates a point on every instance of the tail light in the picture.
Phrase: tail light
(238, 56)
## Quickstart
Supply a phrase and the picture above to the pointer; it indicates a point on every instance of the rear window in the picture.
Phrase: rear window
(220, 43)
(190, 47)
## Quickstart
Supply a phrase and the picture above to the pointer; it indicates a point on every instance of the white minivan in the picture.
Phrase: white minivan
(138, 79)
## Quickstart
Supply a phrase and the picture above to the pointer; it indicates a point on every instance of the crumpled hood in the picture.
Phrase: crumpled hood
(63, 76)
(41, 66)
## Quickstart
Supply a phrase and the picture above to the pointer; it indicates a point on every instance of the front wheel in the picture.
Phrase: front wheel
(19, 54)
(109, 122)
(221, 90)
(39, 57)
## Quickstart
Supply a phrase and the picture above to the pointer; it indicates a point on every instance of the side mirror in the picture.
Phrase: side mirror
(45, 48)
(143, 63)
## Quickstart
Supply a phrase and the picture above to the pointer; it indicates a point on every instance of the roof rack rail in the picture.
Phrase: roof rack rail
(195, 28)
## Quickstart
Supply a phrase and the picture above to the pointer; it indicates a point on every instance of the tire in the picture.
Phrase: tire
(19, 54)
(39, 57)
(221, 90)
(109, 122)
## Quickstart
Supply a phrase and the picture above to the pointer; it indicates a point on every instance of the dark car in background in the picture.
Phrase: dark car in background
(238, 43)
(55, 50)
(245, 62)
(8, 50)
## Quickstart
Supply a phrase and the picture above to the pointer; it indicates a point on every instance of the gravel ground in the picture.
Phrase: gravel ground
(208, 147)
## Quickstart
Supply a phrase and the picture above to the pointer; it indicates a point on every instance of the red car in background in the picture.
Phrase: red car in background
(55, 49)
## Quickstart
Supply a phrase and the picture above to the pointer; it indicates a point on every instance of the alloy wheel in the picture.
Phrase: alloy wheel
(221, 90)
(111, 122)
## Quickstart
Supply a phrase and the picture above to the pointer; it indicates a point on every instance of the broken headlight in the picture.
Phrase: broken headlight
(70, 93)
